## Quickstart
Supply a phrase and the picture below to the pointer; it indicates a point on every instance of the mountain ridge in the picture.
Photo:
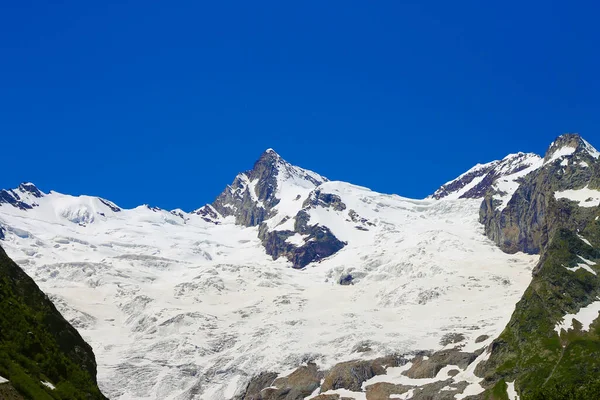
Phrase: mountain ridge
(372, 253)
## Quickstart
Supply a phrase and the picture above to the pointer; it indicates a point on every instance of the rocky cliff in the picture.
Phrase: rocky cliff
(570, 171)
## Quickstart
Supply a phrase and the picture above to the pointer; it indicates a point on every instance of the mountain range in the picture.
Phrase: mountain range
(292, 286)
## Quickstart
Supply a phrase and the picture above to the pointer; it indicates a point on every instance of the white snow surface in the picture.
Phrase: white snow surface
(562, 152)
(506, 173)
(180, 308)
(510, 390)
(3, 380)
(591, 149)
(585, 316)
(508, 184)
(48, 384)
(586, 197)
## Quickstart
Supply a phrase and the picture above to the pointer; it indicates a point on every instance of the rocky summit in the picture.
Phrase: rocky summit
(292, 286)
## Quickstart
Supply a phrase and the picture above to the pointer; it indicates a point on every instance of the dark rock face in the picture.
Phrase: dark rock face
(31, 189)
(531, 215)
(324, 245)
(113, 207)
(319, 242)
(2, 235)
(325, 200)
(37, 342)
(14, 197)
(208, 213)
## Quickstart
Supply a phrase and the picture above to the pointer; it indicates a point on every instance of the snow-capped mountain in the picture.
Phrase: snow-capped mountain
(285, 268)
(501, 177)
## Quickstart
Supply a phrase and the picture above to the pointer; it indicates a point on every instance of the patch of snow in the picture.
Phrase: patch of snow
(48, 384)
(562, 152)
(585, 260)
(508, 185)
(3, 380)
(586, 197)
(590, 149)
(473, 170)
(585, 316)
(465, 189)
(510, 390)
(297, 239)
(582, 266)
(585, 265)
(584, 240)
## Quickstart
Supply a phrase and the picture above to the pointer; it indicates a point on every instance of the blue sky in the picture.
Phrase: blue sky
(164, 102)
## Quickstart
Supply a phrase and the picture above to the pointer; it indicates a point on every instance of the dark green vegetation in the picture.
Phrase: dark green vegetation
(38, 344)
(543, 364)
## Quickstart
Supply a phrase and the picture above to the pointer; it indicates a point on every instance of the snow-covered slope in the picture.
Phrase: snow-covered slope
(500, 177)
(179, 307)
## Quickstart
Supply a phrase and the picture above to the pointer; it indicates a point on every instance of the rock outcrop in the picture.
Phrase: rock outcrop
(254, 199)
(296, 386)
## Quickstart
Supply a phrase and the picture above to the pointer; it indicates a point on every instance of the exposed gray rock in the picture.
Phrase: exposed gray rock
(383, 390)
(531, 216)
(252, 198)
(451, 338)
(351, 375)
(325, 200)
(208, 213)
(110, 204)
(481, 338)
(428, 367)
(256, 385)
(296, 386)
(252, 195)
(319, 243)
(433, 391)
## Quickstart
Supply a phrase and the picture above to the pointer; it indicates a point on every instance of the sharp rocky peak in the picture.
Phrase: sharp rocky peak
(22, 197)
(253, 194)
(28, 187)
(570, 144)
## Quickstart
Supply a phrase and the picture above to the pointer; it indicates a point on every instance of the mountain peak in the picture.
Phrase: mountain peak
(28, 187)
(476, 182)
(270, 151)
(253, 194)
(568, 144)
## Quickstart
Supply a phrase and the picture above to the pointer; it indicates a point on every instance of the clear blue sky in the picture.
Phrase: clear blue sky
(164, 102)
